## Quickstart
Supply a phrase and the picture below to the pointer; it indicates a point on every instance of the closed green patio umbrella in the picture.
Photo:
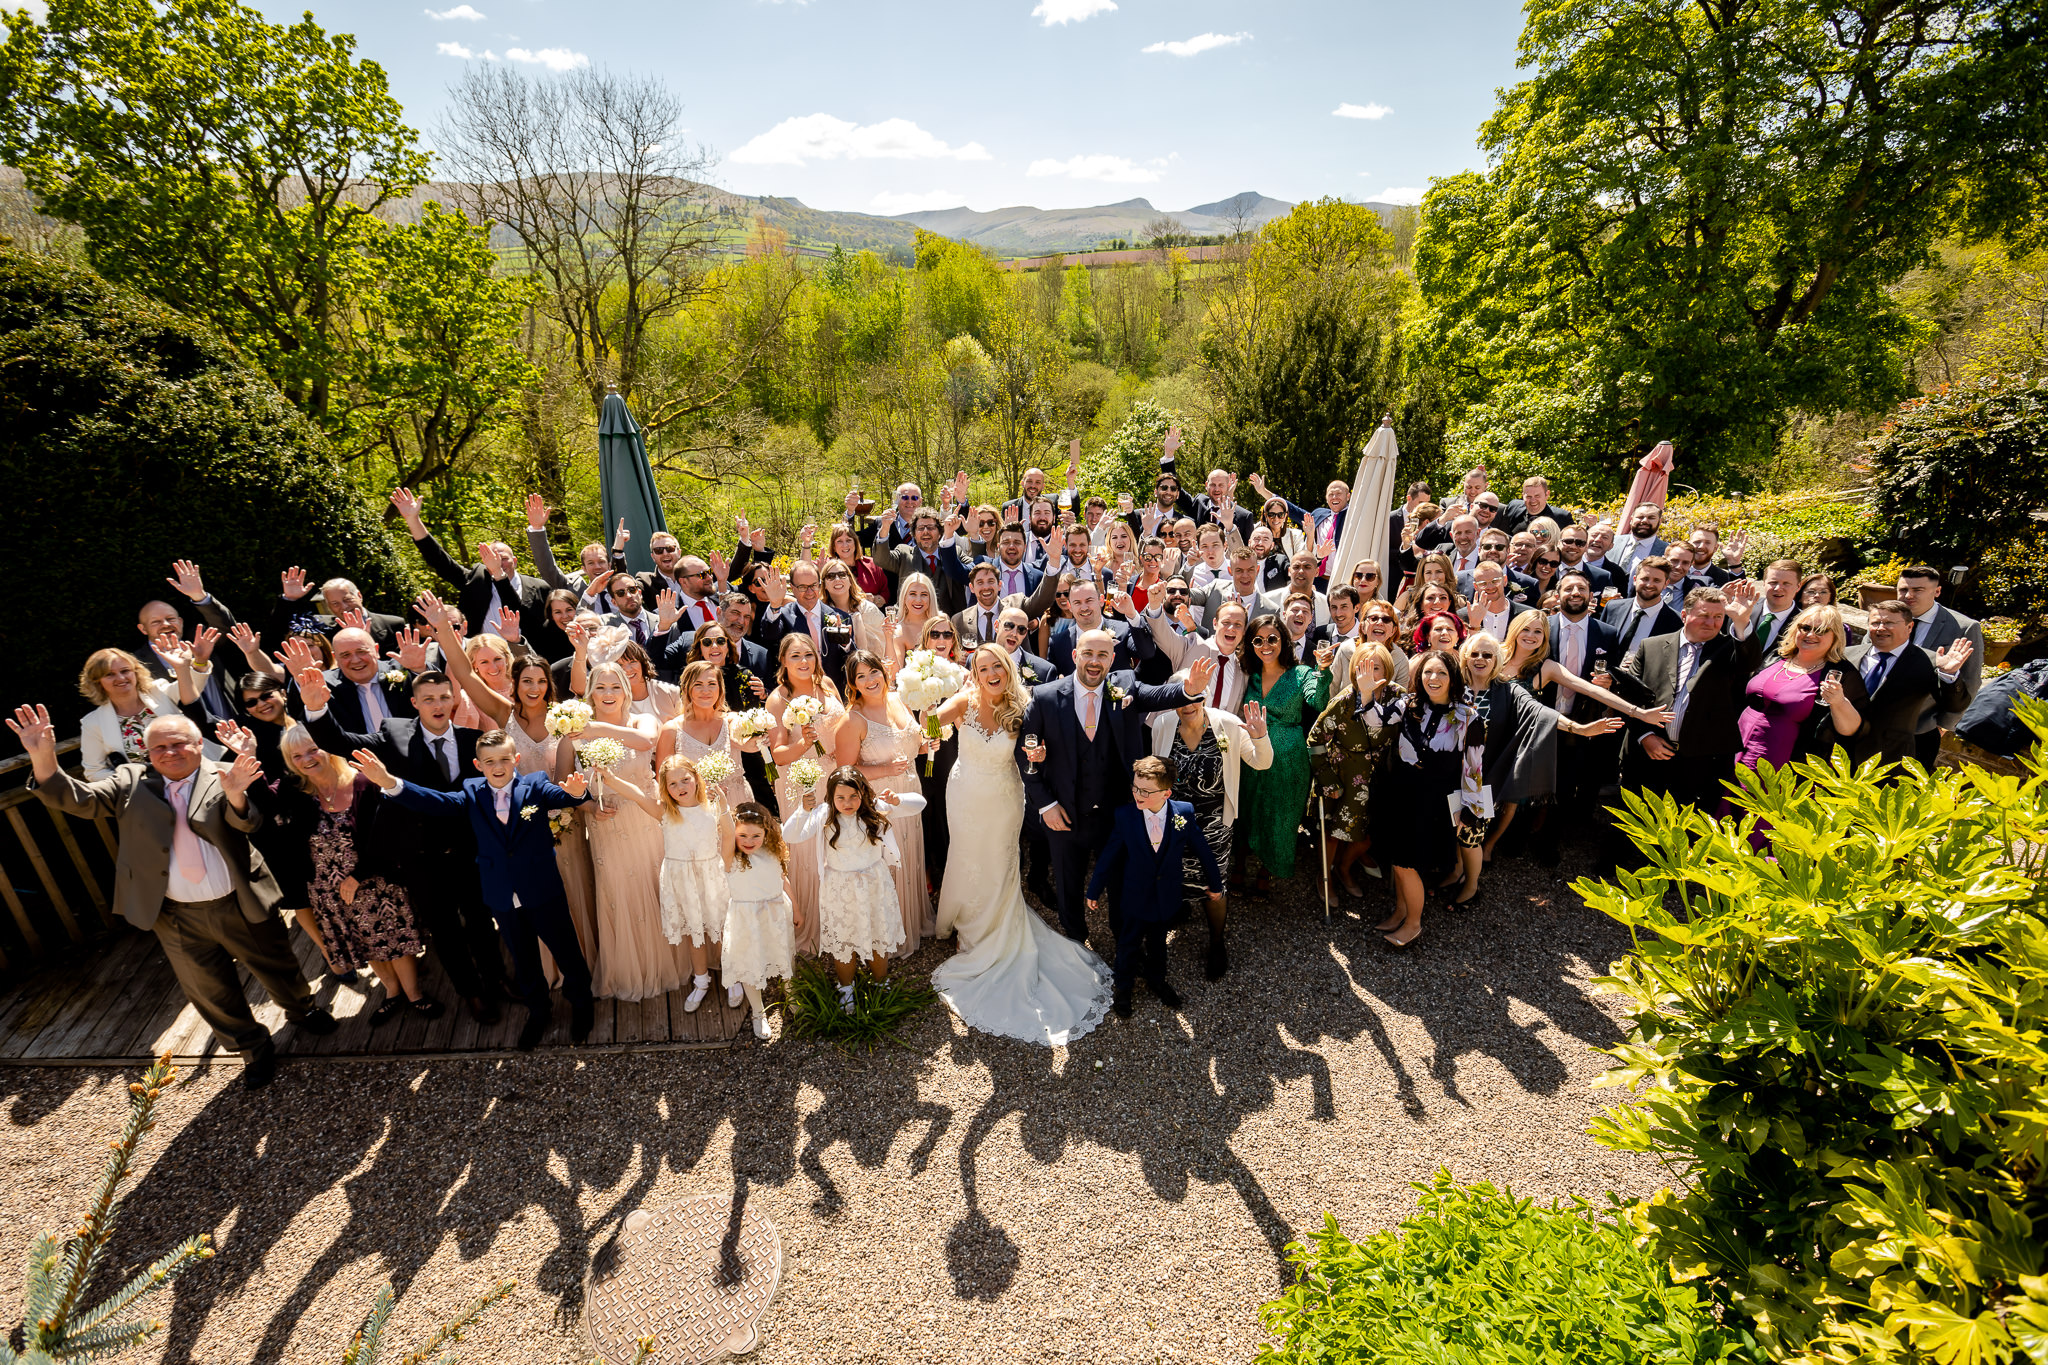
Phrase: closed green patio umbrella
(627, 482)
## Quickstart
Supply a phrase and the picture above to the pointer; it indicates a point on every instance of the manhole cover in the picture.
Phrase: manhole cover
(695, 1275)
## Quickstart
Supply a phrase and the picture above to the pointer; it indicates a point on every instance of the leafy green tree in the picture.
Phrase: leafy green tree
(224, 165)
(961, 288)
(1302, 346)
(1837, 1050)
(1128, 462)
(1694, 214)
(1077, 312)
(1957, 477)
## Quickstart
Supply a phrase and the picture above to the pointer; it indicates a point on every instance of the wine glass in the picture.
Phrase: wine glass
(1031, 742)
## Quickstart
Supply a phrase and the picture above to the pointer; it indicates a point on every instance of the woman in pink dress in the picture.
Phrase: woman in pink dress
(797, 675)
(1789, 697)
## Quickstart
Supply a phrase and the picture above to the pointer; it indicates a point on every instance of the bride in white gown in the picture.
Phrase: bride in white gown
(1014, 974)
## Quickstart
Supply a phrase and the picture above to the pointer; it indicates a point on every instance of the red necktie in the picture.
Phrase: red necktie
(932, 563)
(1216, 684)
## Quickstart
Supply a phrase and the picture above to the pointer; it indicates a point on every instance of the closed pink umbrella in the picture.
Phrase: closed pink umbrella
(1653, 481)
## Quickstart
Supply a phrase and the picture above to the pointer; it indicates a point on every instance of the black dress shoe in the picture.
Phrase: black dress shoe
(259, 1067)
(582, 1018)
(529, 1037)
(317, 1022)
(486, 1012)
(1121, 1003)
(1168, 996)
(1219, 959)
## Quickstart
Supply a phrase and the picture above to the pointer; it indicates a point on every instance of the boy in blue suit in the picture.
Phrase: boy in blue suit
(1147, 845)
(515, 859)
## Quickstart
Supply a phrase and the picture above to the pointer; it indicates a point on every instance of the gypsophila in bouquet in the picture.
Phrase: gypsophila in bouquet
(600, 756)
(713, 769)
(568, 717)
(806, 773)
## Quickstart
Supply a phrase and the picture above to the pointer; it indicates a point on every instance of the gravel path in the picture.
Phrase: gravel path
(963, 1199)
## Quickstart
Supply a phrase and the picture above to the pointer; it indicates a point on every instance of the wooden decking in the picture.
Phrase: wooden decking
(122, 1003)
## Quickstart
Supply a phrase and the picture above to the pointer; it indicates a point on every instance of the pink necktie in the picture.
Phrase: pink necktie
(1088, 719)
(185, 851)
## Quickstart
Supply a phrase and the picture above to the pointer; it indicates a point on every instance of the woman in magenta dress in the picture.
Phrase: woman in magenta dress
(1791, 695)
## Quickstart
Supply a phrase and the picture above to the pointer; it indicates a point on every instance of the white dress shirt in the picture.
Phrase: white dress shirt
(215, 883)
(494, 615)
(375, 712)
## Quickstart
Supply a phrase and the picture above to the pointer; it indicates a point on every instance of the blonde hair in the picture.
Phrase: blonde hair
(911, 580)
(707, 795)
(297, 735)
(100, 663)
(1379, 653)
(1522, 622)
(1465, 657)
(625, 682)
(1831, 617)
(1009, 709)
(495, 643)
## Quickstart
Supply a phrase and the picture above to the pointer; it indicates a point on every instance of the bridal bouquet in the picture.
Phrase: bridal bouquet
(568, 717)
(805, 772)
(560, 822)
(925, 683)
(749, 726)
(802, 711)
(712, 770)
(600, 756)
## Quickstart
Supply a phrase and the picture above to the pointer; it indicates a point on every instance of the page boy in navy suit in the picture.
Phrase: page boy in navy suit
(1150, 838)
(515, 859)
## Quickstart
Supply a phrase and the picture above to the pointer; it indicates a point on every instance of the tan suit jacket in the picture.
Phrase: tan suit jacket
(134, 799)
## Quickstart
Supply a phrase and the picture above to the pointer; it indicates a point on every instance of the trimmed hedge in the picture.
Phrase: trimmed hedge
(131, 436)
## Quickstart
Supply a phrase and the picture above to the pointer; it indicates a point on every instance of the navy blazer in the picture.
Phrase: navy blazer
(513, 857)
(1055, 717)
(1150, 889)
(1600, 639)
(834, 625)
(1133, 647)
(1042, 670)
(345, 704)
(1615, 614)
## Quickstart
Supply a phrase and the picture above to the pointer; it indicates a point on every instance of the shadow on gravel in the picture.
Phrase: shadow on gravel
(419, 1153)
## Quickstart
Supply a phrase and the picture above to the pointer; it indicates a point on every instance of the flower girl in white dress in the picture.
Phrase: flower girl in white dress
(858, 912)
(760, 920)
(696, 835)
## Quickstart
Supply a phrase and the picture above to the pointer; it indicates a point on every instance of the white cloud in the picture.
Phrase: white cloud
(1361, 111)
(459, 12)
(890, 202)
(454, 50)
(822, 137)
(1113, 170)
(1201, 42)
(1070, 11)
(553, 58)
(1401, 195)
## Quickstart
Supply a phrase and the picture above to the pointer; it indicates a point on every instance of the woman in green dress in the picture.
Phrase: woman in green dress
(1347, 748)
(1292, 694)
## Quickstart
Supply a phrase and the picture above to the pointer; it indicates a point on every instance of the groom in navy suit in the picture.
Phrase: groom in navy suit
(1091, 727)
(1146, 846)
(515, 858)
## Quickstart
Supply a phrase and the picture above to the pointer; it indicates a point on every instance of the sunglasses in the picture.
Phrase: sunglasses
(940, 635)
(625, 592)
(1477, 657)
(1550, 563)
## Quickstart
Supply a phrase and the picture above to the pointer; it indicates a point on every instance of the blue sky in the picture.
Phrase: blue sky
(886, 107)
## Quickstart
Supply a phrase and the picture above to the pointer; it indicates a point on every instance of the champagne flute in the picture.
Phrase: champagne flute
(1030, 743)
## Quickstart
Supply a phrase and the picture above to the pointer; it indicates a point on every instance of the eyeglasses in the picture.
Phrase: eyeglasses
(908, 497)
(1137, 790)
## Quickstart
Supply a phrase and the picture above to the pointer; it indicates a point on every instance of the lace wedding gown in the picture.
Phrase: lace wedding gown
(1014, 975)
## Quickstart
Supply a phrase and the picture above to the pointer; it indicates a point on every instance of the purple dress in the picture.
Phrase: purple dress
(1780, 700)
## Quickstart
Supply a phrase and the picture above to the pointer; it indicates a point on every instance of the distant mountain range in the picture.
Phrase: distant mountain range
(1019, 231)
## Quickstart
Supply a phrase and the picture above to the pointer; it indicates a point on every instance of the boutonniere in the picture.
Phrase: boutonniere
(1222, 743)
(1180, 822)
(1030, 675)
(835, 625)
(1119, 696)
(528, 812)
(395, 676)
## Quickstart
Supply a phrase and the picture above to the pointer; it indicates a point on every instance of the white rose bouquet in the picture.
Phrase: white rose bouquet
(568, 717)
(925, 682)
(749, 726)
(803, 711)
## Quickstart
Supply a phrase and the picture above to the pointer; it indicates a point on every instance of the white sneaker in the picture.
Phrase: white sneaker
(761, 1027)
(846, 1000)
(699, 988)
(734, 995)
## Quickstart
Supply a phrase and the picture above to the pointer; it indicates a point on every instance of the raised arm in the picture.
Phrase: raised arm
(488, 700)
(408, 505)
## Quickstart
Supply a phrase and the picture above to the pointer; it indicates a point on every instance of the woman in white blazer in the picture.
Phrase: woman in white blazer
(1209, 750)
(127, 700)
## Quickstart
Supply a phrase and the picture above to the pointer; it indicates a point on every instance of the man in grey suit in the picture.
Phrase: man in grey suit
(1241, 587)
(188, 873)
(1935, 628)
